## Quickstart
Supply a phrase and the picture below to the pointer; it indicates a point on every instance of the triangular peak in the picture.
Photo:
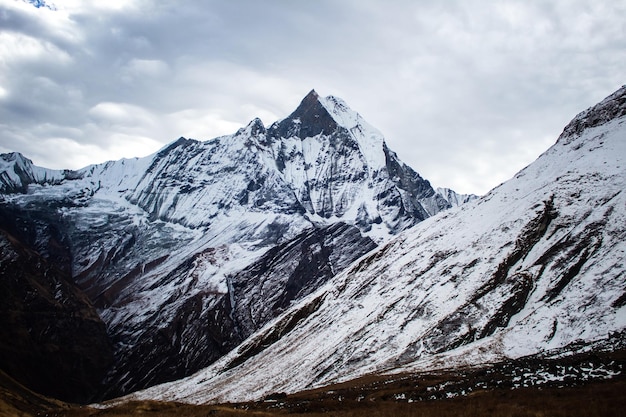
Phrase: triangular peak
(310, 119)
(311, 95)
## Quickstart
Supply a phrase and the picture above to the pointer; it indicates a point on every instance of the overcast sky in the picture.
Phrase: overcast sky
(466, 92)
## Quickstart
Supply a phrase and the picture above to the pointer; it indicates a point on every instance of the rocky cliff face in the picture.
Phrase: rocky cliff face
(194, 325)
(188, 251)
(340, 166)
(536, 266)
(296, 268)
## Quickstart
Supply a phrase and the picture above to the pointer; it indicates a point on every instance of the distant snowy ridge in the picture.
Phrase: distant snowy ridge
(455, 199)
(17, 172)
(537, 264)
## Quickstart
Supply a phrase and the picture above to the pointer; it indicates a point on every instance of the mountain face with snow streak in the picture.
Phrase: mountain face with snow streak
(188, 251)
(323, 162)
(537, 265)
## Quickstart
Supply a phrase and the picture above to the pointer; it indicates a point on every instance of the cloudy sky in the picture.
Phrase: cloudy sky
(466, 92)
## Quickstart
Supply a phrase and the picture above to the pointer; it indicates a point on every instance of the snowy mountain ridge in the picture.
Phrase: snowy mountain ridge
(16, 172)
(176, 249)
(324, 160)
(370, 140)
(537, 264)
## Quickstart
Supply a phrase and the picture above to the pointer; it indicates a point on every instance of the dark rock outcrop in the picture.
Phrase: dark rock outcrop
(291, 271)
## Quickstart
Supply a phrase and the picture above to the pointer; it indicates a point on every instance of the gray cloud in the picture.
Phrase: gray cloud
(466, 92)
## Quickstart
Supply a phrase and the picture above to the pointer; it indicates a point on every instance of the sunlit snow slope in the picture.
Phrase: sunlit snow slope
(537, 264)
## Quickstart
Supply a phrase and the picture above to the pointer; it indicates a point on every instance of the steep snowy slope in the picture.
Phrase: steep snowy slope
(188, 251)
(539, 263)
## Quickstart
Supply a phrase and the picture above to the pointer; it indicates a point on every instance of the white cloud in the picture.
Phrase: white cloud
(16, 48)
(201, 124)
(62, 152)
(122, 114)
(139, 68)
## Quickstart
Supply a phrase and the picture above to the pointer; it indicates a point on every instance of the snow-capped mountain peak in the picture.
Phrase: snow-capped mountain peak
(536, 266)
(323, 161)
(254, 128)
(370, 139)
(187, 251)
(310, 119)
(325, 116)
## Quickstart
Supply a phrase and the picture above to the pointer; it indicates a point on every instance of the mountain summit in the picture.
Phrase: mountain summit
(188, 251)
(310, 119)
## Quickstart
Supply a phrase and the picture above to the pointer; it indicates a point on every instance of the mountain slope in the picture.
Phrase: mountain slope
(537, 264)
(178, 248)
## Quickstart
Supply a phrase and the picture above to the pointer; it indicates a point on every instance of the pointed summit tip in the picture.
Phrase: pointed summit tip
(255, 127)
(308, 120)
(311, 97)
(312, 94)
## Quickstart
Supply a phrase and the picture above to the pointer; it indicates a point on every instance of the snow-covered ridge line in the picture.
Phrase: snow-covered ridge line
(329, 177)
(370, 139)
(612, 107)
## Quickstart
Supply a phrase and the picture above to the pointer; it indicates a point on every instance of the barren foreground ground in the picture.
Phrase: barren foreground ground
(493, 391)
